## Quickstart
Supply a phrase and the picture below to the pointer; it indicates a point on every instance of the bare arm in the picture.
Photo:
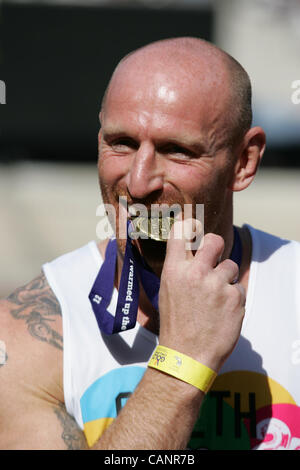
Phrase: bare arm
(32, 412)
(159, 415)
(37, 306)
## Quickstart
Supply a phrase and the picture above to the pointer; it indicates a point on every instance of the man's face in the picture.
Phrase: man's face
(161, 143)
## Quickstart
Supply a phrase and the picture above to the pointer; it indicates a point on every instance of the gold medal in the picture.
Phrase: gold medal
(156, 228)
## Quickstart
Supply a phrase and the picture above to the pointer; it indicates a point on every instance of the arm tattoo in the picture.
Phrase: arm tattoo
(72, 436)
(37, 305)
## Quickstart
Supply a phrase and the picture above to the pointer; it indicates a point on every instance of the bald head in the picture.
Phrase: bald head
(220, 83)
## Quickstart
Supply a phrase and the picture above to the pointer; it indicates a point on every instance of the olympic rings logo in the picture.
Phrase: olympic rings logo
(159, 357)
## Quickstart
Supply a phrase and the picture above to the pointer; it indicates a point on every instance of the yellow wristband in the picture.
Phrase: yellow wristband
(182, 367)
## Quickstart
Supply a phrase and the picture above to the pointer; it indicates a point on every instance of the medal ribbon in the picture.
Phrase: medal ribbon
(134, 269)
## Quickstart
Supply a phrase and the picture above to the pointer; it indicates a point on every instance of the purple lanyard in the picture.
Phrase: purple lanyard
(134, 269)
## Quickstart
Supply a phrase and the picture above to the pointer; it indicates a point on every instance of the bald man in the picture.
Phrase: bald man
(82, 373)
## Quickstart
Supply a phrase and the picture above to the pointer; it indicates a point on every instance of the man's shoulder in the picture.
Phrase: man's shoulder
(32, 410)
(31, 330)
(37, 308)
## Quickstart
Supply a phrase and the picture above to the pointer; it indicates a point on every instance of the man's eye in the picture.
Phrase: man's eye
(123, 145)
(177, 150)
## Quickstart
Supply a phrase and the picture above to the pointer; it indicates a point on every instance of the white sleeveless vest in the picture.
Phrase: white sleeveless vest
(254, 402)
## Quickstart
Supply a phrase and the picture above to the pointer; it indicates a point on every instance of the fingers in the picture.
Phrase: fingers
(207, 255)
(228, 270)
(182, 239)
(210, 251)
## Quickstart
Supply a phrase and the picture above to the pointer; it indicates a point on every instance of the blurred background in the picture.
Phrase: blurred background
(56, 58)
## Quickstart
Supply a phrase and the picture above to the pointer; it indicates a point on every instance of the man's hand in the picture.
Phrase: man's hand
(201, 308)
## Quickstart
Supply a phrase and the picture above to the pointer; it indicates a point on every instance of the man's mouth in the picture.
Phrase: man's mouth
(156, 227)
(152, 223)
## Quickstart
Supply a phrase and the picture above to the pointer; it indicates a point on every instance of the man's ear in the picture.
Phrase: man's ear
(250, 154)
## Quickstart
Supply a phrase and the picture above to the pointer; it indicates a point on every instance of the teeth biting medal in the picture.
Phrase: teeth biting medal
(155, 228)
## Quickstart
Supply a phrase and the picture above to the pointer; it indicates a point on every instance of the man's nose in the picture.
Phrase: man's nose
(145, 173)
